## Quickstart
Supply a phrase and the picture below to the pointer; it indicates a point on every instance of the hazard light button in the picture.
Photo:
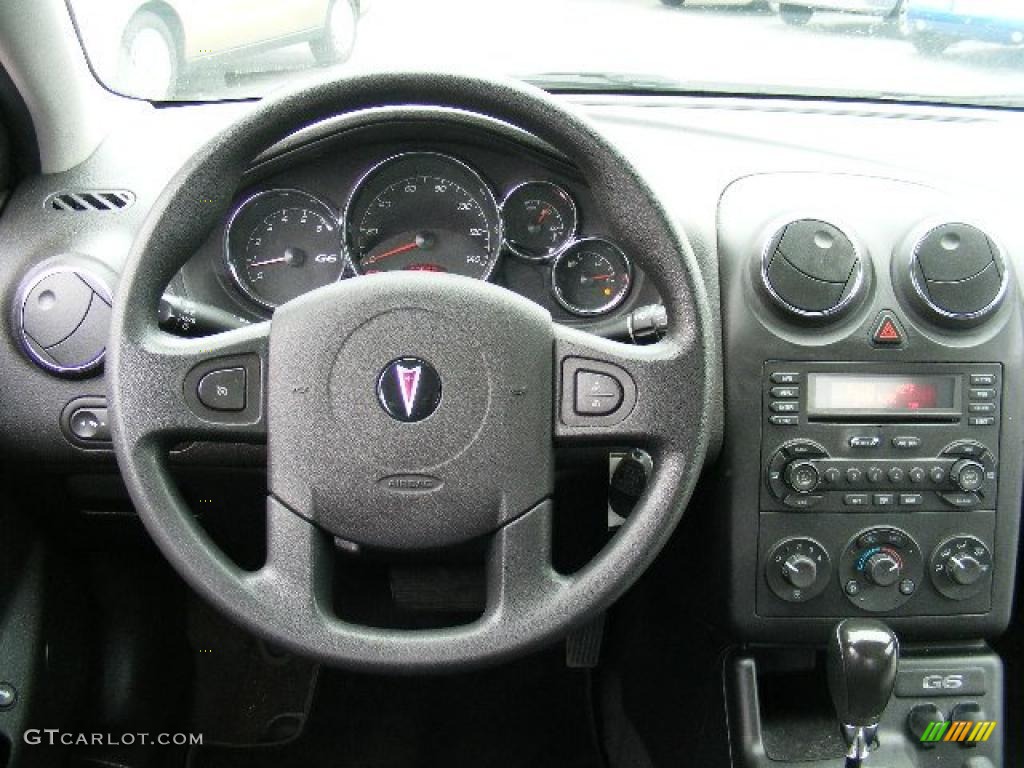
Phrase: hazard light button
(887, 331)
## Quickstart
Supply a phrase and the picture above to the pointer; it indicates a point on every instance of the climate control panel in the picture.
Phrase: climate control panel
(839, 564)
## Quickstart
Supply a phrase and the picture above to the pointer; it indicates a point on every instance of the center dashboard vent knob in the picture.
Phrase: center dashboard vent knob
(811, 269)
(957, 273)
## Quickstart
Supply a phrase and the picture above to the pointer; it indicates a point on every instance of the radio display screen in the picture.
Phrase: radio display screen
(839, 394)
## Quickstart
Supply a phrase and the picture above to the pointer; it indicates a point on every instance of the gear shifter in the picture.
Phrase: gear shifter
(862, 658)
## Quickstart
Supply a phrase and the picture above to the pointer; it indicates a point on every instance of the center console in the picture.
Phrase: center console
(917, 442)
(872, 459)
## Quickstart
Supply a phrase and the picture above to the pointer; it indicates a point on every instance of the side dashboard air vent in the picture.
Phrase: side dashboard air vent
(811, 269)
(91, 200)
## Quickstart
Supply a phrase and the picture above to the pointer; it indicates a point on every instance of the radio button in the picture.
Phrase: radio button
(785, 378)
(967, 475)
(905, 443)
(982, 408)
(784, 421)
(916, 474)
(961, 500)
(832, 475)
(911, 499)
(785, 406)
(983, 379)
(937, 475)
(865, 441)
(785, 393)
(802, 476)
(856, 499)
(874, 474)
(802, 500)
(982, 394)
(853, 475)
(981, 421)
(896, 474)
(803, 449)
(964, 448)
(884, 500)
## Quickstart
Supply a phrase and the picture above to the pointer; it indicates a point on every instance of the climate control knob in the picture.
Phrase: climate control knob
(965, 570)
(968, 475)
(961, 567)
(802, 476)
(800, 571)
(883, 569)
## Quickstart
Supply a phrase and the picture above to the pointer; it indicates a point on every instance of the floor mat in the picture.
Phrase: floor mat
(245, 692)
(532, 713)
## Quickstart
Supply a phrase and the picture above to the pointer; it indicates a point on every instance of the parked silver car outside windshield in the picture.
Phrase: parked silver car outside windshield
(878, 49)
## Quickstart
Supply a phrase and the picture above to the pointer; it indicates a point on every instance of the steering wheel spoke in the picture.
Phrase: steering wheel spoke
(211, 388)
(613, 393)
(520, 573)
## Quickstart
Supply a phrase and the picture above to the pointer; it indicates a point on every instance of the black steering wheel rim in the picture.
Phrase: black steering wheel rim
(529, 604)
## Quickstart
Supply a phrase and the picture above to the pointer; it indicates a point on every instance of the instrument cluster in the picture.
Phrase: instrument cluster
(426, 211)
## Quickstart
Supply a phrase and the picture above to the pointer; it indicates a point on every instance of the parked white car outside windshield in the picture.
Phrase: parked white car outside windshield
(229, 49)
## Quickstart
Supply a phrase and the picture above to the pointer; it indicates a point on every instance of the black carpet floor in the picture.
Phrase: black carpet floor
(533, 713)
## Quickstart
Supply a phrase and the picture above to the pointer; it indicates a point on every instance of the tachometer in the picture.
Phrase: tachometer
(423, 211)
(281, 244)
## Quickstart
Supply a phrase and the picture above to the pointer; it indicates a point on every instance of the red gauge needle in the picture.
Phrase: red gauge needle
(393, 252)
(543, 215)
(601, 277)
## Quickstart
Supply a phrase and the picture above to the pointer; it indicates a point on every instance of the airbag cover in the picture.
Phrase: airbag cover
(480, 459)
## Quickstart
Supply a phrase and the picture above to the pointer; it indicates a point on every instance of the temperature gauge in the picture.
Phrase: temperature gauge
(591, 277)
(540, 218)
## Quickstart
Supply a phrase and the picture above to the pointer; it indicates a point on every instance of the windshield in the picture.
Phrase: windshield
(961, 51)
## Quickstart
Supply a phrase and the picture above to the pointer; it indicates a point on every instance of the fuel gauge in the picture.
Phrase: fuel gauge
(590, 277)
(539, 218)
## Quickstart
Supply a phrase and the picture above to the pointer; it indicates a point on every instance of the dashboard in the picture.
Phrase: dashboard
(865, 262)
(446, 200)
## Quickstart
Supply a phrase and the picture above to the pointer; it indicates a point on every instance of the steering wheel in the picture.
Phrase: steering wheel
(472, 460)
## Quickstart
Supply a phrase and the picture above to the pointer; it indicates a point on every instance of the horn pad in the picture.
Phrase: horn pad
(410, 410)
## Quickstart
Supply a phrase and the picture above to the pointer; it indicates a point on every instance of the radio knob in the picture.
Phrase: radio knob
(800, 571)
(968, 475)
(802, 476)
(965, 570)
(883, 569)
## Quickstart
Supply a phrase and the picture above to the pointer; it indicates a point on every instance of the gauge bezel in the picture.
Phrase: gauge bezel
(570, 236)
(614, 302)
(242, 283)
(347, 241)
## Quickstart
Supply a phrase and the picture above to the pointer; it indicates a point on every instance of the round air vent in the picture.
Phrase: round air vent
(62, 314)
(812, 269)
(957, 273)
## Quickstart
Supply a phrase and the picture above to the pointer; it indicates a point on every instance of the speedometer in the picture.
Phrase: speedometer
(423, 211)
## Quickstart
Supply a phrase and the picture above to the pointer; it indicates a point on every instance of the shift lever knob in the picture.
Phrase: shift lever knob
(863, 655)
